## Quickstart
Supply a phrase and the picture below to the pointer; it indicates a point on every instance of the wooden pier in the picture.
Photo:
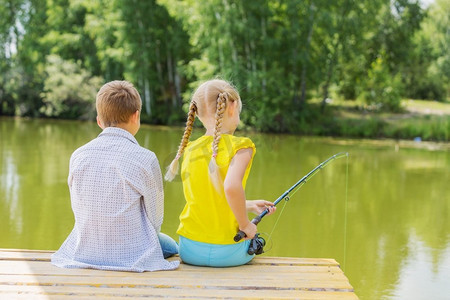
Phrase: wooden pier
(28, 274)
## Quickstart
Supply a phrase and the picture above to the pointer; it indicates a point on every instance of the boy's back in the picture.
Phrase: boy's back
(117, 199)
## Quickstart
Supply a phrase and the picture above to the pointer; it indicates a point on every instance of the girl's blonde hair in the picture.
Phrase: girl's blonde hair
(210, 99)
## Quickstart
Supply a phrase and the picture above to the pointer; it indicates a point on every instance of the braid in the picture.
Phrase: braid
(188, 130)
(220, 109)
(172, 170)
(213, 167)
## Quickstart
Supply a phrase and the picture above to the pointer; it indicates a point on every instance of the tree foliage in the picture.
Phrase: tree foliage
(279, 54)
(69, 90)
(382, 90)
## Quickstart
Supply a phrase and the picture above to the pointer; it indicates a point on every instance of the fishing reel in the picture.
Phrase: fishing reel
(256, 245)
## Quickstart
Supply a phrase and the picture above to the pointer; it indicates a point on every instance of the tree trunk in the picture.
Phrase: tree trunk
(170, 75)
(147, 95)
(334, 51)
(248, 54)
(178, 87)
(144, 66)
(326, 86)
(305, 63)
(264, 65)
(230, 34)
(159, 71)
(219, 46)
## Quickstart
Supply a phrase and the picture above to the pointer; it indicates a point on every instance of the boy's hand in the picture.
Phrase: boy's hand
(258, 206)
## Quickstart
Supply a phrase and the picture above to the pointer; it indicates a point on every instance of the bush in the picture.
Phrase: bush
(434, 128)
(381, 90)
(69, 90)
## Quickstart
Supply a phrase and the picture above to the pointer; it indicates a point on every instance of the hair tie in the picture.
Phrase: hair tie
(214, 155)
(223, 95)
(177, 157)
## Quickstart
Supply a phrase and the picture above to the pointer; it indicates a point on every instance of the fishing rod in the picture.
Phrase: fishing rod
(257, 244)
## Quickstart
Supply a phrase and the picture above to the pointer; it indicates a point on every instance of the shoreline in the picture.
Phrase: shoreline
(334, 139)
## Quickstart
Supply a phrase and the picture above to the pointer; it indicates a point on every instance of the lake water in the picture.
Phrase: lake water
(390, 232)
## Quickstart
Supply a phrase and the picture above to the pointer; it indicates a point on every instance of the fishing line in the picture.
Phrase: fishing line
(276, 222)
(287, 198)
(295, 189)
(345, 215)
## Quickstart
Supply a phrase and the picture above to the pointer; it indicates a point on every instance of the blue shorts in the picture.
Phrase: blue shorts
(214, 255)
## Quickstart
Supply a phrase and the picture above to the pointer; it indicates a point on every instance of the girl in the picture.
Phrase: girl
(214, 173)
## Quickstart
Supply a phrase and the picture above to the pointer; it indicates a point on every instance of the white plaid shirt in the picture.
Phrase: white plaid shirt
(118, 201)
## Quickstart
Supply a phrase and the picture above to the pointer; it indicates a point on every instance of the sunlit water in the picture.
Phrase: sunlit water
(390, 232)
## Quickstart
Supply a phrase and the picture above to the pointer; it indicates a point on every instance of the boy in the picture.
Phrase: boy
(116, 194)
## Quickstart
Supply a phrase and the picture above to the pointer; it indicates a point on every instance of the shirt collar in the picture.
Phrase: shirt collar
(116, 131)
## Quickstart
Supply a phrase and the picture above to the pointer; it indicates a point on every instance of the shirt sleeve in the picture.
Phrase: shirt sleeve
(243, 143)
(154, 194)
(70, 176)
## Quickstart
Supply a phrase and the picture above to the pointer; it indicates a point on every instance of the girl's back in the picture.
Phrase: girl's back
(207, 217)
(214, 173)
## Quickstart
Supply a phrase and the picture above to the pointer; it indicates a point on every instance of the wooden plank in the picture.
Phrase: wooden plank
(26, 274)
(16, 268)
(298, 283)
(46, 268)
(26, 250)
(67, 297)
(8, 254)
(140, 292)
(293, 261)
(25, 256)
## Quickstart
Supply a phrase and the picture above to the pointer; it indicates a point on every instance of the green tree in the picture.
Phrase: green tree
(429, 70)
(155, 45)
(11, 81)
(381, 90)
(279, 53)
(398, 21)
(69, 90)
(342, 28)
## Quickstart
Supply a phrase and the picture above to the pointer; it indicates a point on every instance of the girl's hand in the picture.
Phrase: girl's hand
(258, 206)
(250, 230)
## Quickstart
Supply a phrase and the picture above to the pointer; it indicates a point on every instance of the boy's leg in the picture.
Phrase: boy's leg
(168, 245)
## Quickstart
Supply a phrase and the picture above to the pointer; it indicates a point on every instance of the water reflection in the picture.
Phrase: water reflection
(391, 233)
(423, 265)
(9, 186)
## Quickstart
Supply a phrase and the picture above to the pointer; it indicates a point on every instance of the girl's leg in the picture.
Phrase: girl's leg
(231, 255)
(168, 245)
(212, 255)
(194, 253)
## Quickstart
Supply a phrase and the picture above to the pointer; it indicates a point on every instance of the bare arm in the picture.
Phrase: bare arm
(258, 206)
(234, 191)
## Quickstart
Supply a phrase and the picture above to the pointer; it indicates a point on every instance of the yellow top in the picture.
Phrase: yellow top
(207, 217)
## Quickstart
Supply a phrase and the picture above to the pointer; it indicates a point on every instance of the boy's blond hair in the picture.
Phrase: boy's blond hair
(116, 101)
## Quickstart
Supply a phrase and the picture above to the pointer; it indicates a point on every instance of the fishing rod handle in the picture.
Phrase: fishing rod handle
(240, 235)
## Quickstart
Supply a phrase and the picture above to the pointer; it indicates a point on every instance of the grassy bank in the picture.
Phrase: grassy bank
(418, 120)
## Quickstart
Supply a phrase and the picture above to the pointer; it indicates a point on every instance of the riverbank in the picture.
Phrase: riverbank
(418, 121)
